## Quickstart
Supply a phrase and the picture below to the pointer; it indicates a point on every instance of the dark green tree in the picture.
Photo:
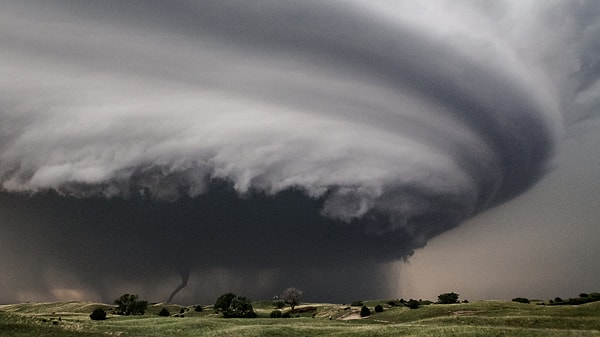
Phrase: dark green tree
(364, 311)
(233, 306)
(128, 304)
(521, 300)
(413, 304)
(448, 298)
(241, 307)
(98, 315)
(164, 312)
(223, 302)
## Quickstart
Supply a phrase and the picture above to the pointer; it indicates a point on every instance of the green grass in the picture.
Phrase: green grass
(486, 318)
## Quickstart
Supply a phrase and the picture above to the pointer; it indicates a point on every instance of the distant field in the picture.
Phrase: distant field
(486, 318)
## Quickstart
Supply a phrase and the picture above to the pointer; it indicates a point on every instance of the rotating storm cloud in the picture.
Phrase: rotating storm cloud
(260, 144)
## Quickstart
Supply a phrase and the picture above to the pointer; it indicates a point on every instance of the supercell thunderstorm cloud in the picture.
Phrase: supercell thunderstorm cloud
(214, 146)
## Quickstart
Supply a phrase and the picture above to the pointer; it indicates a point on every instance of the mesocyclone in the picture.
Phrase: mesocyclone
(383, 121)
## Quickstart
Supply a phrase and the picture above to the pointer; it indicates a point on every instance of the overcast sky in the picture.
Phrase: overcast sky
(353, 149)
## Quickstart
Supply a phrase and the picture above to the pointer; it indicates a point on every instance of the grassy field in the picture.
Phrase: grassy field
(486, 318)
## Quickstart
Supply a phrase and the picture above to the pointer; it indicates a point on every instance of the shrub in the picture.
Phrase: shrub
(357, 304)
(233, 306)
(378, 308)
(128, 304)
(275, 314)
(413, 304)
(164, 312)
(98, 315)
(364, 311)
(223, 302)
(286, 315)
(198, 308)
(448, 298)
(520, 300)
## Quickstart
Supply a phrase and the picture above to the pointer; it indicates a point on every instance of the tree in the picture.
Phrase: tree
(521, 300)
(233, 306)
(292, 297)
(241, 307)
(223, 302)
(129, 304)
(448, 298)
(164, 312)
(413, 304)
(378, 308)
(98, 315)
(364, 311)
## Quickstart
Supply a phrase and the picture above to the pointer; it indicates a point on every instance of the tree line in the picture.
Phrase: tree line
(229, 305)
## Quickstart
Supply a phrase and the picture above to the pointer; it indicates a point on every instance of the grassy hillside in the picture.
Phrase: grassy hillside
(487, 318)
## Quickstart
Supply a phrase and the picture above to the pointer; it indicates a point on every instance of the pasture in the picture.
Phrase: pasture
(484, 318)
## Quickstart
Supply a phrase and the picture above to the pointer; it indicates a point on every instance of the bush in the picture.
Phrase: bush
(128, 304)
(397, 303)
(223, 302)
(520, 300)
(164, 312)
(275, 314)
(413, 304)
(98, 315)
(364, 311)
(198, 308)
(448, 298)
(357, 304)
(233, 306)
(378, 308)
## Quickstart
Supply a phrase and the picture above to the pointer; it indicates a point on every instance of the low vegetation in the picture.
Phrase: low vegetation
(485, 318)
(380, 317)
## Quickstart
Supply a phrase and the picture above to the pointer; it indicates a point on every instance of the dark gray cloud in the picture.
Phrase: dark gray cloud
(275, 142)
